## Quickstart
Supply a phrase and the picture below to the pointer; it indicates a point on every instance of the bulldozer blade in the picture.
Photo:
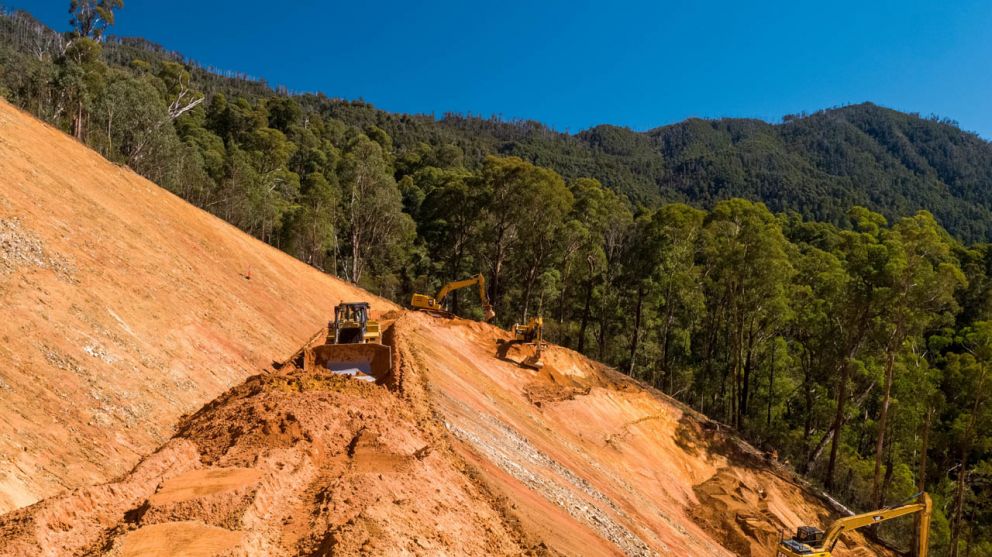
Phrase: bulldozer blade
(371, 360)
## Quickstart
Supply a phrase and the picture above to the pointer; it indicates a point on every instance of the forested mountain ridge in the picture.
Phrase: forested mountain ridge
(818, 165)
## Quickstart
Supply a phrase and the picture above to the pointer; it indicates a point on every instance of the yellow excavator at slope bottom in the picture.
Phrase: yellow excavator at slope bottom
(436, 304)
(813, 542)
(531, 333)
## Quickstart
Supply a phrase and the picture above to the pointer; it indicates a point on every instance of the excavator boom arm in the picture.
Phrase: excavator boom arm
(458, 284)
(849, 523)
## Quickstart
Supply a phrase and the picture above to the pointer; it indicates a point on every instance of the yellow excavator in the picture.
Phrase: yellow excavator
(353, 346)
(813, 542)
(436, 304)
(531, 333)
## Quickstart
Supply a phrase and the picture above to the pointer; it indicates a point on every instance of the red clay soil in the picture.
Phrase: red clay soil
(126, 308)
(123, 308)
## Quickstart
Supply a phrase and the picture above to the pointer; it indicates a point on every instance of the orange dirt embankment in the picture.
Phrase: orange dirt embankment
(126, 308)
(123, 308)
(454, 454)
(591, 462)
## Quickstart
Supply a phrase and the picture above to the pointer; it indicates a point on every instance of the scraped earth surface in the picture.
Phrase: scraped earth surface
(138, 407)
(123, 308)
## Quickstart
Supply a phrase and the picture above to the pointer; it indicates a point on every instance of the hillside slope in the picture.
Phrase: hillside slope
(124, 307)
(458, 452)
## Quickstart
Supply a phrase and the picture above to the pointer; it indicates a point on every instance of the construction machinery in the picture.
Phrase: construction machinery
(435, 305)
(531, 333)
(353, 346)
(813, 542)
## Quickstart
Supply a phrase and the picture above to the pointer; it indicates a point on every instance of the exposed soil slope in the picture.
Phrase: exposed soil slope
(457, 452)
(123, 308)
(126, 308)
(592, 462)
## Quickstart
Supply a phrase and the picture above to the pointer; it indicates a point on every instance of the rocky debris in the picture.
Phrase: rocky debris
(20, 248)
(519, 458)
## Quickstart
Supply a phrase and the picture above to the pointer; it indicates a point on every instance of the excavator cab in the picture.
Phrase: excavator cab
(807, 538)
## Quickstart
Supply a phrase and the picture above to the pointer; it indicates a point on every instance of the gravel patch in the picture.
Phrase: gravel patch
(20, 248)
(515, 455)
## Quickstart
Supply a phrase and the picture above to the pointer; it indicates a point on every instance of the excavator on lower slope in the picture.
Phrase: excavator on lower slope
(435, 305)
(813, 542)
(531, 332)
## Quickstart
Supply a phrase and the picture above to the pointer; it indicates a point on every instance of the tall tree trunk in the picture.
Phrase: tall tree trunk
(845, 370)
(355, 251)
(921, 484)
(746, 386)
(666, 343)
(876, 491)
(956, 519)
(601, 338)
(584, 323)
(771, 385)
(635, 336)
(77, 123)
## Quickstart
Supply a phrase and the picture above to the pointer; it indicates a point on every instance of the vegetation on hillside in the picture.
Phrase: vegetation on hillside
(828, 318)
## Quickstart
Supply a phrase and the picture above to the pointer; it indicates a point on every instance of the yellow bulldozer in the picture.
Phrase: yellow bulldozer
(435, 305)
(531, 332)
(353, 346)
(813, 542)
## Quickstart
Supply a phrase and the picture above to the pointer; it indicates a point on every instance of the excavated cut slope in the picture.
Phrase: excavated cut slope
(123, 308)
(127, 308)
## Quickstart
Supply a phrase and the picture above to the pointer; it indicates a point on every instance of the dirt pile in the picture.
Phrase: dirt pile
(124, 307)
(280, 465)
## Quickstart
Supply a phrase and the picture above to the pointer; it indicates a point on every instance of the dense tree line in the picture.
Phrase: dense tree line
(853, 345)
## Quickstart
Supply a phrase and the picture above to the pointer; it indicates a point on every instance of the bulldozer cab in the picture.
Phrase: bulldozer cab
(353, 346)
(350, 323)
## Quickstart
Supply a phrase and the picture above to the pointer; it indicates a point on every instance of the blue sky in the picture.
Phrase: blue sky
(574, 64)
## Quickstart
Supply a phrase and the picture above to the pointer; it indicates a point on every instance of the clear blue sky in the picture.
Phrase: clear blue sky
(573, 64)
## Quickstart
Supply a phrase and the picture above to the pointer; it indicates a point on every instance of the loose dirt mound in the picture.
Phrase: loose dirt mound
(123, 307)
(282, 465)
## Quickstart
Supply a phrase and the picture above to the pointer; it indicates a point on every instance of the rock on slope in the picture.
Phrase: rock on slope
(127, 307)
(123, 308)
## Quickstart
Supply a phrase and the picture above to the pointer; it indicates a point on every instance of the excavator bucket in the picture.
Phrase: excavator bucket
(533, 362)
(366, 362)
